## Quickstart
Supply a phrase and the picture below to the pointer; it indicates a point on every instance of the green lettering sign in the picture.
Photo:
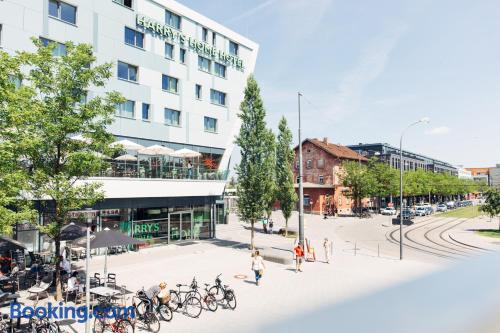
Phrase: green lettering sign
(194, 44)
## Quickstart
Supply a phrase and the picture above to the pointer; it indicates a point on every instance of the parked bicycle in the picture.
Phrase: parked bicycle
(190, 303)
(223, 293)
(145, 316)
(145, 304)
(103, 323)
(208, 298)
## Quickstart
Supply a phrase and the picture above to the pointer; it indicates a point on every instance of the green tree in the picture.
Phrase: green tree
(57, 110)
(492, 204)
(359, 180)
(285, 156)
(270, 167)
(255, 154)
(386, 178)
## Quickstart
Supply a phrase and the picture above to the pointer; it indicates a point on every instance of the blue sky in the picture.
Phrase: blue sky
(368, 68)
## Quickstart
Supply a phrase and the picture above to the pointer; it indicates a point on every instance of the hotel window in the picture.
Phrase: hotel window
(204, 34)
(127, 72)
(198, 91)
(309, 164)
(169, 51)
(217, 97)
(204, 64)
(172, 117)
(172, 20)
(219, 70)
(126, 109)
(59, 48)
(146, 114)
(210, 125)
(126, 3)
(321, 180)
(233, 48)
(214, 38)
(134, 38)
(170, 84)
(182, 56)
(62, 11)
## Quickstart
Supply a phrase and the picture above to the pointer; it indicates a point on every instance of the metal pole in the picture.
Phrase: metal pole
(401, 197)
(87, 275)
(301, 188)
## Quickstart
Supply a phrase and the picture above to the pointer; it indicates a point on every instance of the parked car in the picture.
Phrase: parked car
(407, 214)
(450, 204)
(421, 211)
(388, 211)
(442, 207)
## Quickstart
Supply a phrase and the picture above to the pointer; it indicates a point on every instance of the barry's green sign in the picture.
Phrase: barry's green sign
(194, 44)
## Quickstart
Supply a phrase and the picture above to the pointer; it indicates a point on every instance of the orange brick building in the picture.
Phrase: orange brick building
(322, 167)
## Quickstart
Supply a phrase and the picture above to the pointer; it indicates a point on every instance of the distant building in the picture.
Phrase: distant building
(463, 173)
(495, 176)
(481, 175)
(322, 167)
(411, 161)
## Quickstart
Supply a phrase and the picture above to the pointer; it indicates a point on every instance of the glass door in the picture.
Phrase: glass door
(186, 225)
(180, 226)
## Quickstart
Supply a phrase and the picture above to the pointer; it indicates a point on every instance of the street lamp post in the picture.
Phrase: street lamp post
(301, 188)
(401, 167)
(87, 275)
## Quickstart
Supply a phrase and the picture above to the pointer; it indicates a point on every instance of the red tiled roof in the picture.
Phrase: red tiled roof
(337, 150)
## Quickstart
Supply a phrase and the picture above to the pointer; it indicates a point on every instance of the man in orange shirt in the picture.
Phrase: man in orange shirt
(299, 256)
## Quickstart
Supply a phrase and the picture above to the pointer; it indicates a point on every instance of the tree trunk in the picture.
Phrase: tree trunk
(286, 227)
(252, 223)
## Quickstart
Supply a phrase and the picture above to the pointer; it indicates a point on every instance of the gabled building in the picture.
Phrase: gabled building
(322, 169)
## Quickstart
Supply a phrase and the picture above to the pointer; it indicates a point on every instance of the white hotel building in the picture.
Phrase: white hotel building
(183, 76)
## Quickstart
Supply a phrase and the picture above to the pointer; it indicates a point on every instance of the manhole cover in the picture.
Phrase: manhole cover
(240, 276)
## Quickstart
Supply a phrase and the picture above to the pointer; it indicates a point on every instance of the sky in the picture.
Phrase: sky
(367, 69)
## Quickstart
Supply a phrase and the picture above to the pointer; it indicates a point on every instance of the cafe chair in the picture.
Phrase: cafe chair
(41, 288)
(111, 280)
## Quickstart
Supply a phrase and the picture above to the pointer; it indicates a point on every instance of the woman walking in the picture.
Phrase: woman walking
(258, 266)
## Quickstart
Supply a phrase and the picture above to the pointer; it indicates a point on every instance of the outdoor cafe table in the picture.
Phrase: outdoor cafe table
(104, 291)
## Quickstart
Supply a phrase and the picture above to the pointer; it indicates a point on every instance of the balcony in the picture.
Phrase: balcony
(162, 170)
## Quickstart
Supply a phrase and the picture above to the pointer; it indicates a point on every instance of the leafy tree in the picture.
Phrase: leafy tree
(255, 155)
(270, 167)
(284, 175)
(386, 179)
(55, 95)
(359, 180)
(492, 204)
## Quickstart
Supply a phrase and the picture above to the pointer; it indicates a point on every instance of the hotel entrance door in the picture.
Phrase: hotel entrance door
(180, 226)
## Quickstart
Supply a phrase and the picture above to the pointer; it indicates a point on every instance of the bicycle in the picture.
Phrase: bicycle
(223, 293)
(147, 304)
(145, 315)
(208, 298)
(102, 323)
(191, 304)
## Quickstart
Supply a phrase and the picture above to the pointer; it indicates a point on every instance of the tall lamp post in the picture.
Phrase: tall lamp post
(424, 120)
(87, 260)
(301, 187)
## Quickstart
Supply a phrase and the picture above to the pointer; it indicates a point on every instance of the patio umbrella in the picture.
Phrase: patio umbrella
(107, 238)
(187, 153)
(81, 138)
(156, 150)
(125, 158)
(127, 145)
(8, 244)
(71, 232)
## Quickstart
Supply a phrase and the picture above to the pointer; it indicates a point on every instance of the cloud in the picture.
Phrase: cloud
(442, 130)
(250, 12)
(372, 62)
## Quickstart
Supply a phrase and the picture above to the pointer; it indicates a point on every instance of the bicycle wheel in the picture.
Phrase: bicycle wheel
(175, 301)
(99, 325)
(165, 312)
(124, 326)
(217, 292)
(192, 307)
(211, 302)
(152, 322)
(230, 299)
(54, 327)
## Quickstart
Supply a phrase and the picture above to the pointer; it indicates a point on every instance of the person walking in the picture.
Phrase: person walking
(299, 256)
(327, 246)
(258, 266)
